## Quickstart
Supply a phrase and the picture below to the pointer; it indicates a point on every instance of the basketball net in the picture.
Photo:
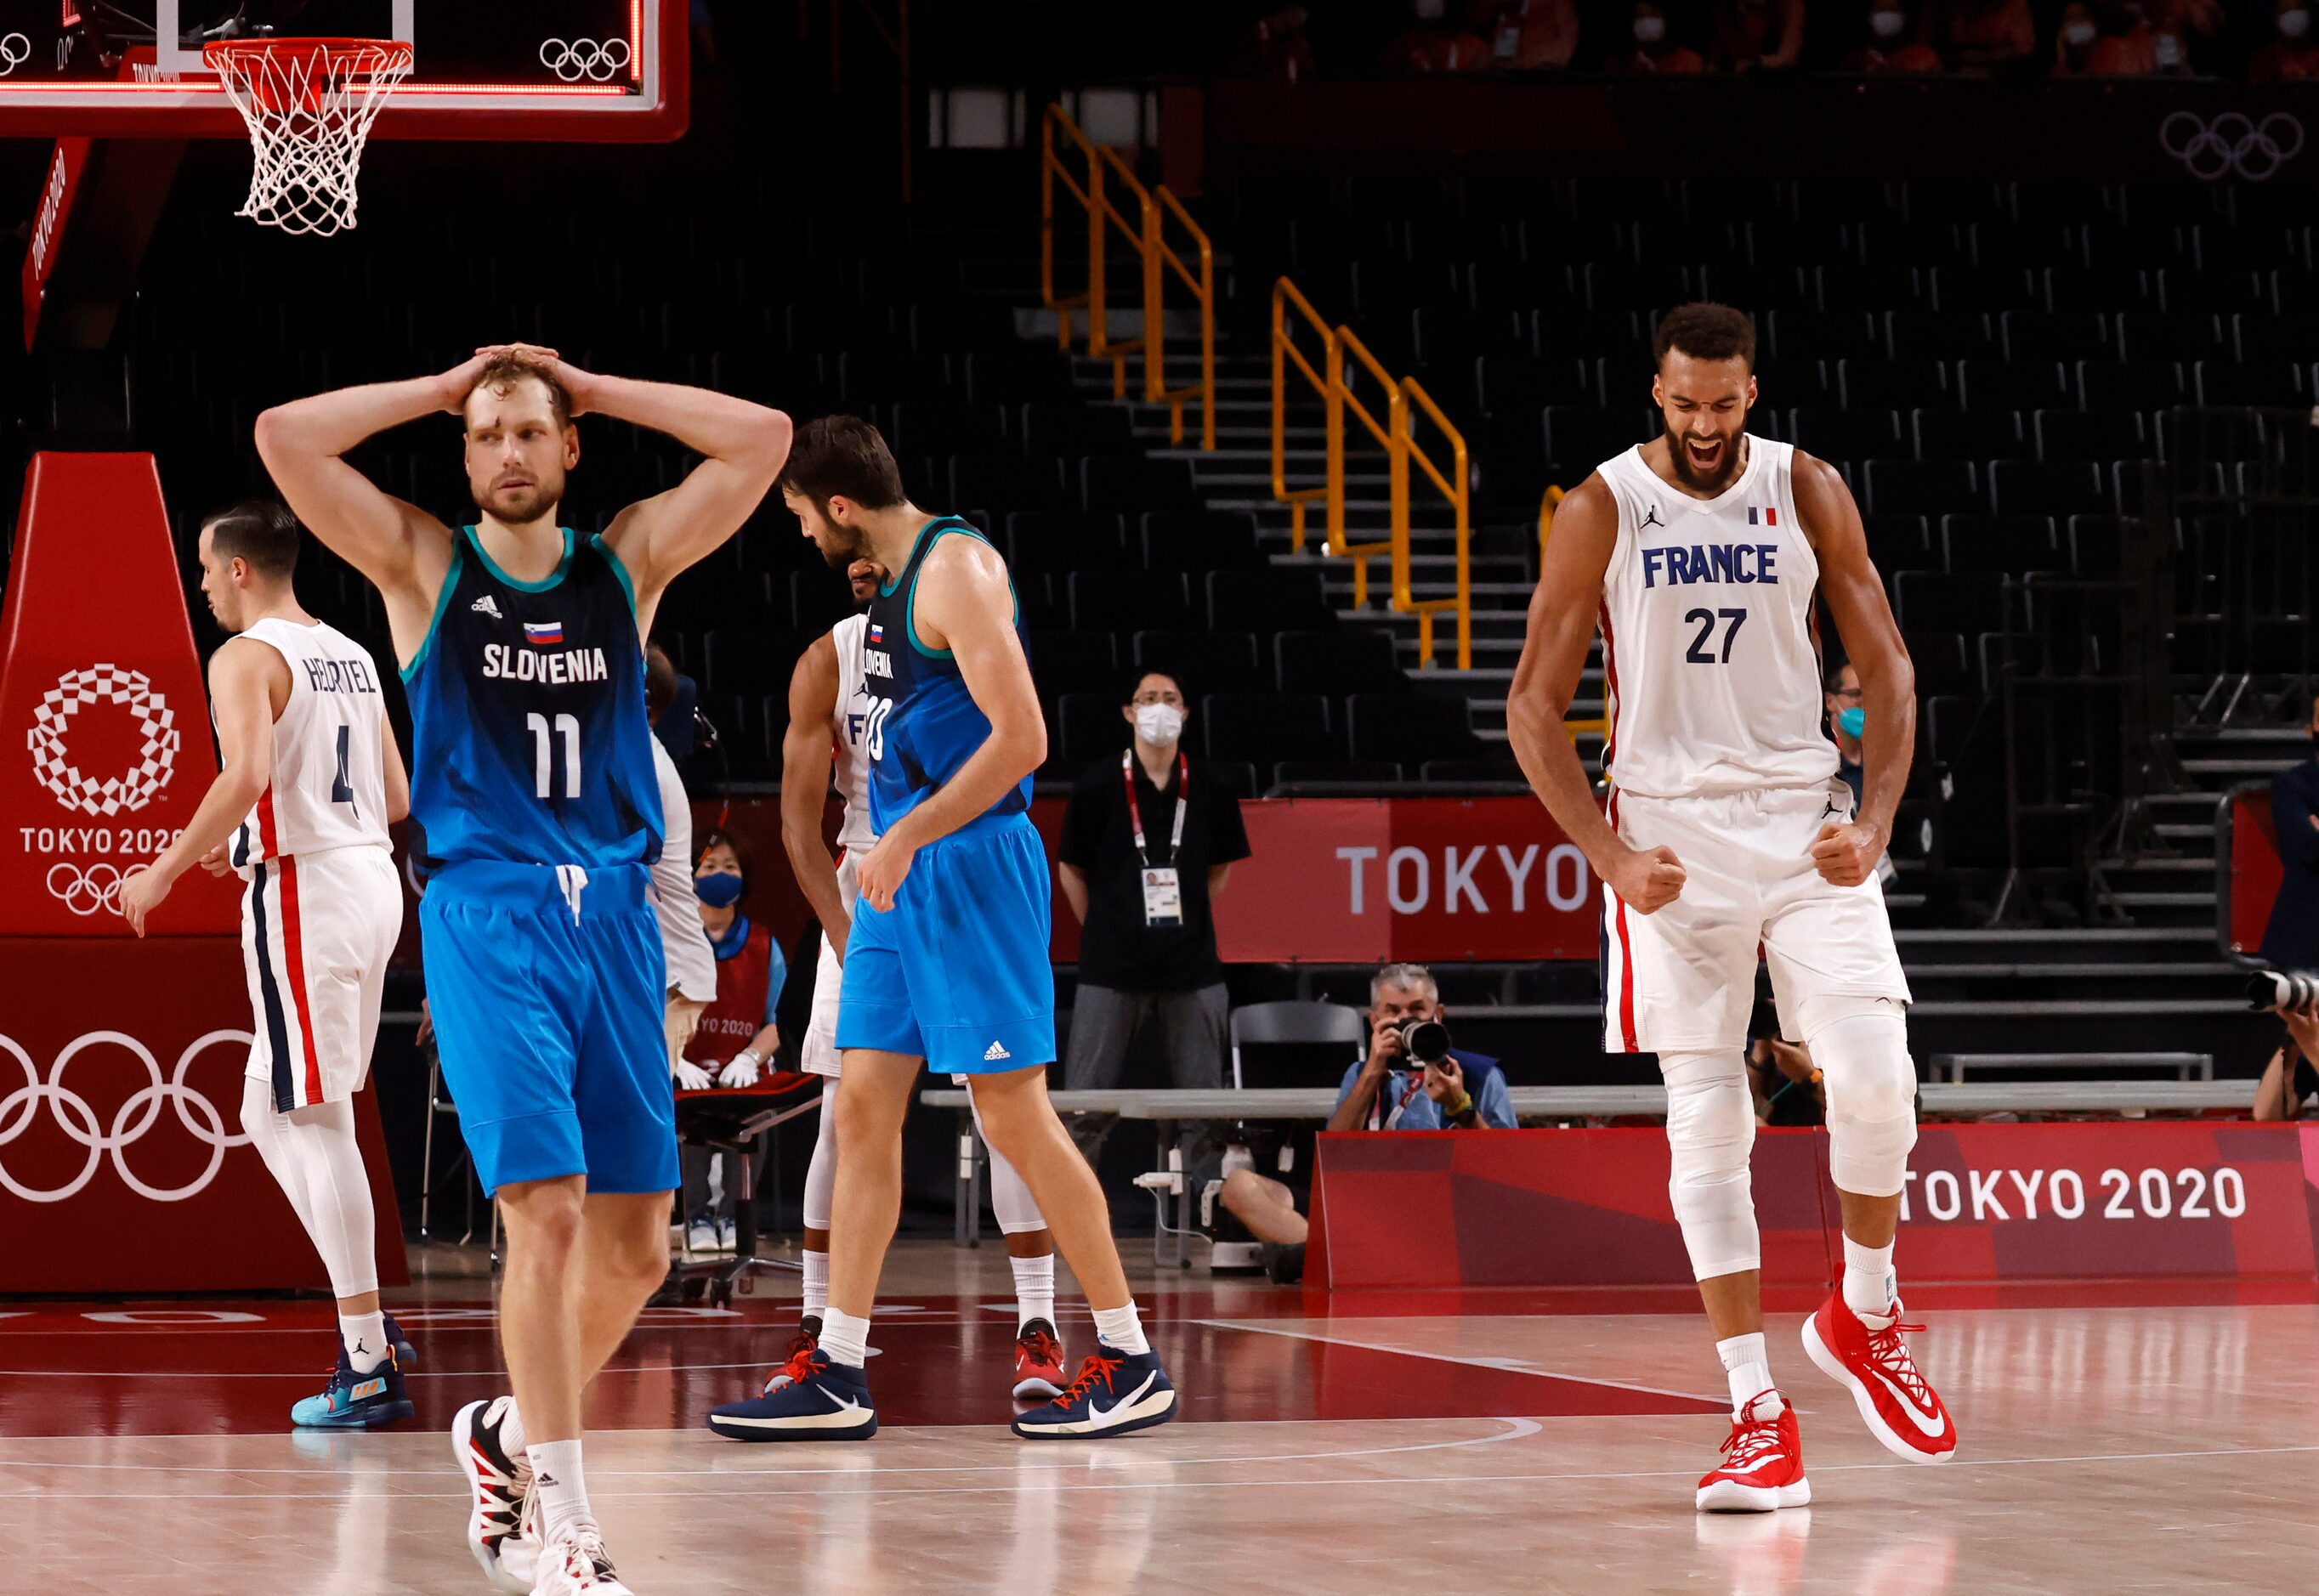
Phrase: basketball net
(309, 104)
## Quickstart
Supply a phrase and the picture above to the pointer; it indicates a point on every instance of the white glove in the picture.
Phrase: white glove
(692, 1077)
(742, 1071)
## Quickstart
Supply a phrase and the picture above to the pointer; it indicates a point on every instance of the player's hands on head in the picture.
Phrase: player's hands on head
(460, 380)
(692, 1077)
(884, 868)
(578, 385)
(1647, 879)
(140, 894)
(1845, 855)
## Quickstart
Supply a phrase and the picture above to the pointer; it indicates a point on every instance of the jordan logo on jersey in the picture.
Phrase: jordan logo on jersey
(1651, 518)
(1674, 565)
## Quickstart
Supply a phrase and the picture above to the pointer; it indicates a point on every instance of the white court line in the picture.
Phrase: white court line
(1395, 1482)
(1517, 1430)
(1511, 1366)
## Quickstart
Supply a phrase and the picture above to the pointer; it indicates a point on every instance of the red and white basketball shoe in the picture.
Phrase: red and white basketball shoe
(1763, 1466)
(1038, 1363)
(1865, 1354)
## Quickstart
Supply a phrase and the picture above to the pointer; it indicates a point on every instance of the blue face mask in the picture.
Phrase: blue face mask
(720, 891)
(1851, 721)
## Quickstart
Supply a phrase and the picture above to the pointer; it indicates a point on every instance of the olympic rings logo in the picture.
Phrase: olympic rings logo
(15, 50)
(85, 891)
(2231, 144)
(52, 765)
(130, 1121)
(573, 59)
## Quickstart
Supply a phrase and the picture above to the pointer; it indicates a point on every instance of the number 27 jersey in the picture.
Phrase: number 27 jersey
(1711, 650)
(530, 741)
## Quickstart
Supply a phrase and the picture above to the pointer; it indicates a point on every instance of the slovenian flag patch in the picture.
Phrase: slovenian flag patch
(1766, 517)
(546, 634)
(877, 633)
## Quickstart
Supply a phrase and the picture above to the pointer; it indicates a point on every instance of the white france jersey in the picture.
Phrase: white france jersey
(1710, 663)
(328, 789)
(850, 731)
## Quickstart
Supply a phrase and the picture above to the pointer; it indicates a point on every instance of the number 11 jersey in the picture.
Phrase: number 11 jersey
(530, 741)
(1711, 650)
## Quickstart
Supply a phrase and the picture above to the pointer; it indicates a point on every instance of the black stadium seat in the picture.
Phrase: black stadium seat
(1263, 727)
(1205, 662)
(1127, 601)
(1409, 728)
(1352, 660)
(2047, 487)
(1921, 487)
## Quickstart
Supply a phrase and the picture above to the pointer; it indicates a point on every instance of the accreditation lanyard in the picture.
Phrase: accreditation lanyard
(1163, 892)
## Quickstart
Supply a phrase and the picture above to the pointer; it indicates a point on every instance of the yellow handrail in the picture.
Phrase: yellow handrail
(1596, 725)
(1147, 236)
(1395, 432)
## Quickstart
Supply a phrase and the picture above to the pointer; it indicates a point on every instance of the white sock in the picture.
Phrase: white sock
(1035, 1290)
(365, 1335)
(1122, 1328)
(562, 1489)
(1747, 1366)
(511, 1440)
(817, 1282)
(844, 1338)
(1867, 1277)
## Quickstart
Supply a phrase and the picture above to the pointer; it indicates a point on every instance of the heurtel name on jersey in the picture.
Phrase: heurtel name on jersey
(340, 676)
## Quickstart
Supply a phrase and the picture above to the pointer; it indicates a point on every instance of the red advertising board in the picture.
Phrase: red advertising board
(1989, 1203)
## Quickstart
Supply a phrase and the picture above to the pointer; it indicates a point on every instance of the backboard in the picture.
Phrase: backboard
(559, 70)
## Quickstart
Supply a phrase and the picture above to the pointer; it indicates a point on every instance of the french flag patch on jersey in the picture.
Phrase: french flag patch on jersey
(546, 633)
(1769, 516)
(877, 633)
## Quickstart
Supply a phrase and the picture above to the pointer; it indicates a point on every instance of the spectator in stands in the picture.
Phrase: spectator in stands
(1995, 36)
(2289, 1083)
(1846, 719)
(1756, 35)
(1147, 846)
(1436, 44)
(1529, 35)
(737, 1041)
(2291, 939)
(2294, 54)
(1276, 46)
(1654, 49)
(1892, 44)
(1380, 1091)
(2122, 43)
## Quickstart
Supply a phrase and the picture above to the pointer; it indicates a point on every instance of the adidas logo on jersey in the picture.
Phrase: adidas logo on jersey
(996, 1053)
(487, 605)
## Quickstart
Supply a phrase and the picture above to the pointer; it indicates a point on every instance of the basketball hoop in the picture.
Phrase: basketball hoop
(309, 104)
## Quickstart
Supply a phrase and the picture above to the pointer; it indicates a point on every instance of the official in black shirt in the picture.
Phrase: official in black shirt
(1149, 950)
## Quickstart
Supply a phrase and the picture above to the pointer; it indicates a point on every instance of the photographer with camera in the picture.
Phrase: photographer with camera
(2290, 1080)
(1413, 1079)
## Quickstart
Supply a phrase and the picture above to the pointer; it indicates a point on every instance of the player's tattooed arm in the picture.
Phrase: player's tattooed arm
(965, 604)
(1561, 629)
(1846, 855)
(249, 681)
(804, 789)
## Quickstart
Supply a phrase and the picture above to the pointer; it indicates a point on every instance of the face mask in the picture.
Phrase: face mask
(2079, 34)
(2167, 50)
(2294, 24)
(720, 891)
(1886, 24)
(1650, 30)
(1850, 719)
(1158, 724)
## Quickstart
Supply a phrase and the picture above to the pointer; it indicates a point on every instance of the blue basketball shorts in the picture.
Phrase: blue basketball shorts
(957, 972)
(547, 985)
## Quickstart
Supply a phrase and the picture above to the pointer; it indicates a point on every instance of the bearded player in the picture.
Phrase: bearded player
(1699, 554)
(522, 645)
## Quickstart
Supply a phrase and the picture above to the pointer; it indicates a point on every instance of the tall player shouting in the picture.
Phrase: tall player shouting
(521, 650)
(1698, 555)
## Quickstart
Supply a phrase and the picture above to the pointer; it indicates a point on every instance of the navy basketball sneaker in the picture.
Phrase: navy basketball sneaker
(406, 1355)
(1114, 1393)
(808, 1399)
(353, 1401)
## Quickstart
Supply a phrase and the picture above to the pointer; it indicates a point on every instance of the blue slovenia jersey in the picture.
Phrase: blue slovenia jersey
(530, 741)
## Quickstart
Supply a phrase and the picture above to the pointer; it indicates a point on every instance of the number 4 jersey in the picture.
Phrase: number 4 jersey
(328, 789)
(1710, 655)
(530, 744)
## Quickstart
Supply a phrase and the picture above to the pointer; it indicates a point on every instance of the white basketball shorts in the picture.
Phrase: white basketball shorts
(317, 930)
(1684, 980)
(818, 1054)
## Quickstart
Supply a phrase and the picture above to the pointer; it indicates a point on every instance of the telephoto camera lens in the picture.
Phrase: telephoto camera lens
(1425, 1041)
(2278, 991)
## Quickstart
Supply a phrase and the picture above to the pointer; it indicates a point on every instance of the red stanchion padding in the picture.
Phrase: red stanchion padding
(1464, 1208)
(104, 738)
(123, 1166)
(2256, 871)
(2076, 1202)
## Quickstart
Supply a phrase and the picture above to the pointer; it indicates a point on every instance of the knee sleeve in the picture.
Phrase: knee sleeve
(1861, 1047)
(1010, 1199)
(1711, 1131)
(821, 1173)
